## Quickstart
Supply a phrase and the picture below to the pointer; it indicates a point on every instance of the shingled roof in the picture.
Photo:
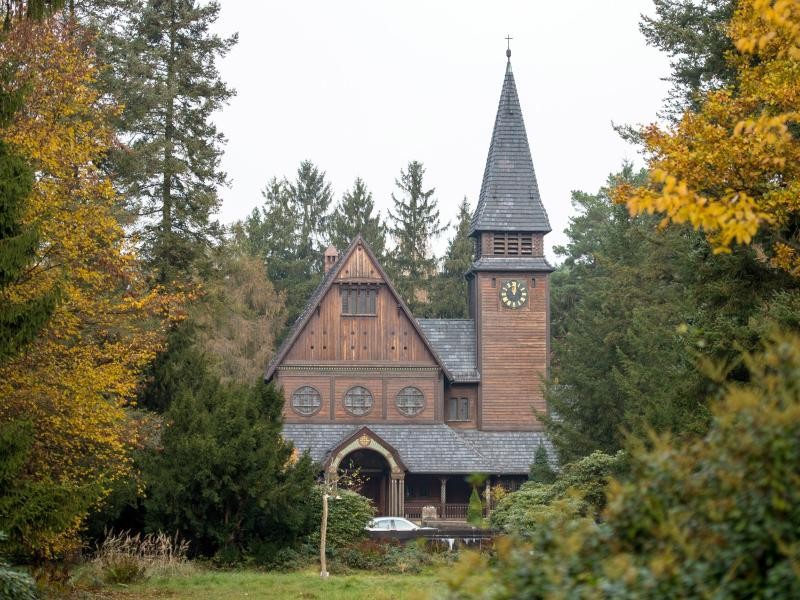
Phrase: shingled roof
(434, 448)
(509, 199)
(515, 263)
(454, 341)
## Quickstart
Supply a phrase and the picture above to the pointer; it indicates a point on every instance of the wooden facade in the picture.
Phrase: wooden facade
(421, 403)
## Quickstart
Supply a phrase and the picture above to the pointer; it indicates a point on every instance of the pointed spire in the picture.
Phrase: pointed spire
(509, 199)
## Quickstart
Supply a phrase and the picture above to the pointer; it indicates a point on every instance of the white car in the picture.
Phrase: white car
(395, 524)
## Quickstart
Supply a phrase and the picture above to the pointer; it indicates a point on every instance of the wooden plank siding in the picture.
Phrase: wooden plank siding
(383, 387)
(388, 336)
(381, 352)
(513, 349)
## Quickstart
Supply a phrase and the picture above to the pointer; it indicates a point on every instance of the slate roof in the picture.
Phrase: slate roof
(509, 199)
(455, 342)
(515, 263)
(434, 448)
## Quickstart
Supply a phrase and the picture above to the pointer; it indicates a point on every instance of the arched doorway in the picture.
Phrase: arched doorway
(365, 439)
(373, 472)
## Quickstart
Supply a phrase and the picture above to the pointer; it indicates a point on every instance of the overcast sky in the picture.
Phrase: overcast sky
(362, 88)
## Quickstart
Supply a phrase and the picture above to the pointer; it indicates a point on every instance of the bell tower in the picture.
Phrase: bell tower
(509, 279)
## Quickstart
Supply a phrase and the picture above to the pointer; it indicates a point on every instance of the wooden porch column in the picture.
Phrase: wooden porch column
(397, 495)
(443, 496)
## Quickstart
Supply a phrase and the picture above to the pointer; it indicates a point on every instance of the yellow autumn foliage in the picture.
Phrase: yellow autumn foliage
(732, 168)
(74, 381)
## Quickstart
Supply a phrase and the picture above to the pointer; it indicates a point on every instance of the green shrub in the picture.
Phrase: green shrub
(15, 585)
(541, 471)
(348, 515)
(585, 479)
(225, 477)
(475, 508)
(718, 517)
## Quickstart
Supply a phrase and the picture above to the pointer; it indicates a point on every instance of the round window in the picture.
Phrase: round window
(306, 401)
(410, 401)
(358, 401)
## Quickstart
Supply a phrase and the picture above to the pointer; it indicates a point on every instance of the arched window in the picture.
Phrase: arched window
(358, 401)
(410, 401)
(306, 401)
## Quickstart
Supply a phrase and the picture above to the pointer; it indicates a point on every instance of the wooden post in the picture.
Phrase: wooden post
(488, 494)
(443, 496)
(323, 533)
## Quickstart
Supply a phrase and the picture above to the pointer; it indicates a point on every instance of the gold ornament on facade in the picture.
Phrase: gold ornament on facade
(364, 441)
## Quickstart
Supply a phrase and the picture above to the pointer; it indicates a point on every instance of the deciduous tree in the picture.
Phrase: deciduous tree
(74, 380)
(732, 167)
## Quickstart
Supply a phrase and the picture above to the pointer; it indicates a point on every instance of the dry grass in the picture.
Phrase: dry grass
(125, 558)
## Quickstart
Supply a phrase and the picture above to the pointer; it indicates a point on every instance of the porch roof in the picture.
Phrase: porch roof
(432, 448)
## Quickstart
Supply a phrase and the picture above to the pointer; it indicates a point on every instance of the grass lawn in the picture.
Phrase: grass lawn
(214, 585)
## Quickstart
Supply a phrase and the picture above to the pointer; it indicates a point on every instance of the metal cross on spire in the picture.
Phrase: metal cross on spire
(508, 50)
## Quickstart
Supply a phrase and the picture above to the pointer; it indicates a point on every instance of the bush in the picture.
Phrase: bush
(348, 515)
(541, 471)
(15, 585)
(475, 508)
(718, 517)
(225, 477)
(585, 479)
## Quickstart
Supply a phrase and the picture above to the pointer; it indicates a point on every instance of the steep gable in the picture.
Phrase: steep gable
(323, 334)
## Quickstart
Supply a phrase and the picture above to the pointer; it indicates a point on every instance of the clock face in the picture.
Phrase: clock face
(514, 293)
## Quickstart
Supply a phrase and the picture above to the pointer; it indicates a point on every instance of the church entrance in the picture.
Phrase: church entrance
(371, 471)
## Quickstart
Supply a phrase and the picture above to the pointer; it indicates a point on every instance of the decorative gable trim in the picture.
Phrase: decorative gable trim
(319, 294)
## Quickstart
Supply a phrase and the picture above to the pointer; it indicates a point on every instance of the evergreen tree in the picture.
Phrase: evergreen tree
(310, 197)
(225, 478)
(355, 214)
(636, 311)
(162, 56)
(541, 471)
(694, 34)
(289, 233)
(414, 226)
(449, 297)
(19, 320)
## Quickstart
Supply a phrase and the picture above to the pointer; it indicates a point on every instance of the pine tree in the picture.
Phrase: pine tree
(414, 226)
(19, 320)
(449, 297)
(356, 214)
(162, 57)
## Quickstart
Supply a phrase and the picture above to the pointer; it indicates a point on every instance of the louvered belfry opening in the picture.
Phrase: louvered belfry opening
(512, 243)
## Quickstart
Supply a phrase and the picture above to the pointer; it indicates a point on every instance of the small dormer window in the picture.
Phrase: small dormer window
(359, 299)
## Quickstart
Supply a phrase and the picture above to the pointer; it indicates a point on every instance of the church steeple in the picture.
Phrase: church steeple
(509, 199)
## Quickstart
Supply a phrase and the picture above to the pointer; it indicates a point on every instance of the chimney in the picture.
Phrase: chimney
(329, 258)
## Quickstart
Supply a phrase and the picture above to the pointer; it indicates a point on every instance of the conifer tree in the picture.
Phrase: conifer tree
(162, 57)
(289, 233)
(19, 321)
(414, 226)
(541, 471)
(449, 298)
(355, 214)
(226, 479)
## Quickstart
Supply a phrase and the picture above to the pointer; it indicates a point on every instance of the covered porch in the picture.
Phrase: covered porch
(449, 494)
